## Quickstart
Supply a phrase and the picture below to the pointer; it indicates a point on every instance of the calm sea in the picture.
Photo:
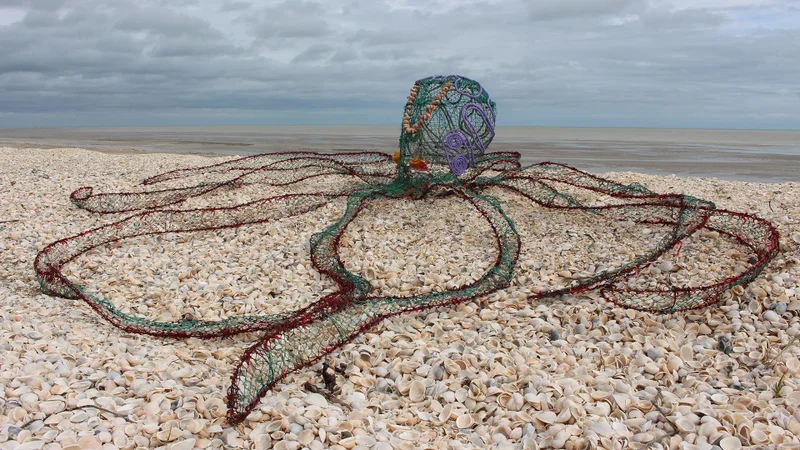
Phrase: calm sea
(754, 155)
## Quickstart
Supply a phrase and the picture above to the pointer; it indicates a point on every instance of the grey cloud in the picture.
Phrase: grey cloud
(288, 20)
(344, 55)
(34, 4)
(609, 62)
(567, 9)
(681, 19)
(165, 23)
(231, 6)
(187, 47)
(314, 53)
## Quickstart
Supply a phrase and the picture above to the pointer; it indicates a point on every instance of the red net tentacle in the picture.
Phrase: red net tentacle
(757, 234)
(562, 173)
(248, 163)
(685, 215)
(50, 261)
(284, 172)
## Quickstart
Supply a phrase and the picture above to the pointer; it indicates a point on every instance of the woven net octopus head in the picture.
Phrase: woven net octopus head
(447, 123)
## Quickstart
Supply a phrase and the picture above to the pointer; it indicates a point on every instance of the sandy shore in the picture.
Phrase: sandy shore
(572, 372)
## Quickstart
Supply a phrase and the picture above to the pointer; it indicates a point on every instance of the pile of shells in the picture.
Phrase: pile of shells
(500, 372)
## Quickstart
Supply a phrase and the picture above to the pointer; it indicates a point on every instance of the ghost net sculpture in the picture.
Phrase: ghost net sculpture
(448, 124)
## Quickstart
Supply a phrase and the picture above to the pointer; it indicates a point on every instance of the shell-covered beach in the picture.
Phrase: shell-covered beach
(570, 372)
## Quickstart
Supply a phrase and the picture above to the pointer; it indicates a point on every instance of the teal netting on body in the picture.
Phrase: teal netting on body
(447, 126)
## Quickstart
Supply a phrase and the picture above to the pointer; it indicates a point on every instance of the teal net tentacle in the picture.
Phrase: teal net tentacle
(446, 129)
(342, 316)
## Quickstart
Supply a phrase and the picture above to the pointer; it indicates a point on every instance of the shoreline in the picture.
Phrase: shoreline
(761, 168)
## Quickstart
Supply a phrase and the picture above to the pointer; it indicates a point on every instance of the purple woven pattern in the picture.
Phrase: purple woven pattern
(468, 122)
(459, 164)
(458, 151)
(469, 92)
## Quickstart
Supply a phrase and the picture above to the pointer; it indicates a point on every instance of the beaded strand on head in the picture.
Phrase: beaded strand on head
(407, 127)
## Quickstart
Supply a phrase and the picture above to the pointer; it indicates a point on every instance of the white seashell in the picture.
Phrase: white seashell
(600, 409)
(730, 443)
(685, 425)
(547, 417)
(719, 399)
(169, 434)
(316, 400)
(275, 425)
(79, 417)
(444, 416)
(503, 399)
(349, 442)
(623, 401)
(707, 429)
(687, 354)
(366, 440)
(89, 442)
(187, 444)
(674, 363)
(306, 436)
(602, 428)
(516, 402)
(758, 437)
(313, 413)
(28, 399)
(193, 425)
(51, 407)
(465, 421)
(120, 439)
(416, 391)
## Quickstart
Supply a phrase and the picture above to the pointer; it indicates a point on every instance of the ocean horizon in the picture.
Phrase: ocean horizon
(750, 155)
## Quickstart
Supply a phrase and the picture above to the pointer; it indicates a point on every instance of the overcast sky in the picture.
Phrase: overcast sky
(626, 63)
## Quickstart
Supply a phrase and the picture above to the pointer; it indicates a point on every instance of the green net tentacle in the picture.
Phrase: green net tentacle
(342, 316)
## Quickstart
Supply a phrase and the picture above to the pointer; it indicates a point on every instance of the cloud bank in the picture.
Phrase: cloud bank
(639, 63)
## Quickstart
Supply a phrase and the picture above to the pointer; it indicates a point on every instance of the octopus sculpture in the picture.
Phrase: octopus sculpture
(448, 124)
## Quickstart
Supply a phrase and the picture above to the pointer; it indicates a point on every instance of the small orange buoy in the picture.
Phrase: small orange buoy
(418, 164)
(396, 158)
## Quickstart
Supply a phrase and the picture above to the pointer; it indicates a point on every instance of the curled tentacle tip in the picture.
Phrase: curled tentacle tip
(82, 193)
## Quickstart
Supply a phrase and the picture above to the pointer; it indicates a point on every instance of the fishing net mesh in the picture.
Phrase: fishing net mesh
(295, 339)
